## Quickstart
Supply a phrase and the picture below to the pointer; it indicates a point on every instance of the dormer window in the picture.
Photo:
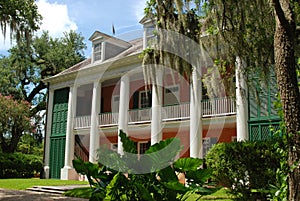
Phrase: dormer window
(97, 51)
(106, 47)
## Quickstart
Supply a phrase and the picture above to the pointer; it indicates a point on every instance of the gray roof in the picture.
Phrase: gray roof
(136, 48)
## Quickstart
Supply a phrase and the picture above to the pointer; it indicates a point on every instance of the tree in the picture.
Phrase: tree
(14, 120)
(26, 67)
(261, 33)
(285, 67)
(21, 17)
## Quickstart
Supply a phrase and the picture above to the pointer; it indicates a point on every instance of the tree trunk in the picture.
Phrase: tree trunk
(10, 146)
(285, 68)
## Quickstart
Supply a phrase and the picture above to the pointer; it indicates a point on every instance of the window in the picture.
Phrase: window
(115, 103)
(208, 142)
(142, 147)
(97, 51)
(145, 99)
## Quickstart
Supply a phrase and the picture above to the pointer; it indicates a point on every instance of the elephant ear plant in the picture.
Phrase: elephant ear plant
(151, 176)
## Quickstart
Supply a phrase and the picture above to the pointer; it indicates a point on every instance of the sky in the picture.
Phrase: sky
(87, 16)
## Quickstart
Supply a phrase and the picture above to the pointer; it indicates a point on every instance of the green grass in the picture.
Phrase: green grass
(85, 192)
(220, 195)
(22, 184)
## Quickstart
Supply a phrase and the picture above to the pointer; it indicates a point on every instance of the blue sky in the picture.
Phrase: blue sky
(87, 16)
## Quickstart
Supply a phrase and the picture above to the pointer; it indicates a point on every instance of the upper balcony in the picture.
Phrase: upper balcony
(210, 108)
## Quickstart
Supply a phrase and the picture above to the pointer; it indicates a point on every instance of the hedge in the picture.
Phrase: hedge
(18, 165)
(244, 167)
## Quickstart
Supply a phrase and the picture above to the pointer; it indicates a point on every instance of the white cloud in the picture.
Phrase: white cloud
(139, 9)
(55, 18)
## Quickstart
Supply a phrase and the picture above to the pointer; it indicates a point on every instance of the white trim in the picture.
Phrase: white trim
(48, 133)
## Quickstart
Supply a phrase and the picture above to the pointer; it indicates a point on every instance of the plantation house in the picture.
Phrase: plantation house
(91, 101)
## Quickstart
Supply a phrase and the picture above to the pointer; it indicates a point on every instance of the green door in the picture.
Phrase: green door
(58, 132)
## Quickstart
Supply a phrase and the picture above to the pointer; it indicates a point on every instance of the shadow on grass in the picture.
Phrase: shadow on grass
(85, 192)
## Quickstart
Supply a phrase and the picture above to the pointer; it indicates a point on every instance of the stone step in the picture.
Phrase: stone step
(55, 189)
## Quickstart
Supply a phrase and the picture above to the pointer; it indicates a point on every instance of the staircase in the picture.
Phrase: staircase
(55, 189)
(80, 150)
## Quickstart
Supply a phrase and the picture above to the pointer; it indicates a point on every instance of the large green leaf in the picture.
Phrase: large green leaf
(114, 187)
(187, 164)
(167, 174)
(199, 176)
(143, 192)
(175, 186)
(175, 142)
(162, 154)
(128, 145)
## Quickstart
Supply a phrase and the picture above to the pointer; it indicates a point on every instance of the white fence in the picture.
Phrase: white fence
(210, 108)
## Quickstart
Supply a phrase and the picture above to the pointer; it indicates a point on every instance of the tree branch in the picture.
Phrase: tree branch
(35, 91)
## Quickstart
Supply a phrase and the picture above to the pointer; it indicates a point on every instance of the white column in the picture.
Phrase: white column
(241, 102)
(145, 39)
(68, 172)
(48, 133)
(94, 132)
(123, 109)
(196, 116)
(156, 109)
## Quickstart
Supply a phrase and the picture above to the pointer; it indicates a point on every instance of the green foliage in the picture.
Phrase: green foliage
(247, 168)
(29, 144)
(14, 120)
(155, 182)
(19, 165)
(26, 67)
(21, 16)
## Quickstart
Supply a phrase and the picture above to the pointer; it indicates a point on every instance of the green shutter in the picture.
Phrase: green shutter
(58, 132)
(57, 156)
(135, 100)
(263, 117)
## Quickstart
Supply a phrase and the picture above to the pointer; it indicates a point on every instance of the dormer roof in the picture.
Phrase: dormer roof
(97, 35)
(148, 20)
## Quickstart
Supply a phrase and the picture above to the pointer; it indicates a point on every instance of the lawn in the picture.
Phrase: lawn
(22, 184)
(220, 195)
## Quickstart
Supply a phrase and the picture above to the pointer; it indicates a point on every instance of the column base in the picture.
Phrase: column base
(68, 173)
(46, 172)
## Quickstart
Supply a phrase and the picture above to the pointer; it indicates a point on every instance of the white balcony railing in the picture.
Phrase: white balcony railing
(181, 111)
(108, 118)
(210, 108)
(82, 122)
(218, 106)
(139, 115)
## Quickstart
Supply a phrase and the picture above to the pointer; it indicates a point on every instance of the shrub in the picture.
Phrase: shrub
(247, 168)
(19, 165)
(123, 182)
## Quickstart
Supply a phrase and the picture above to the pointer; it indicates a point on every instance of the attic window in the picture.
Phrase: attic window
(97, 51)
